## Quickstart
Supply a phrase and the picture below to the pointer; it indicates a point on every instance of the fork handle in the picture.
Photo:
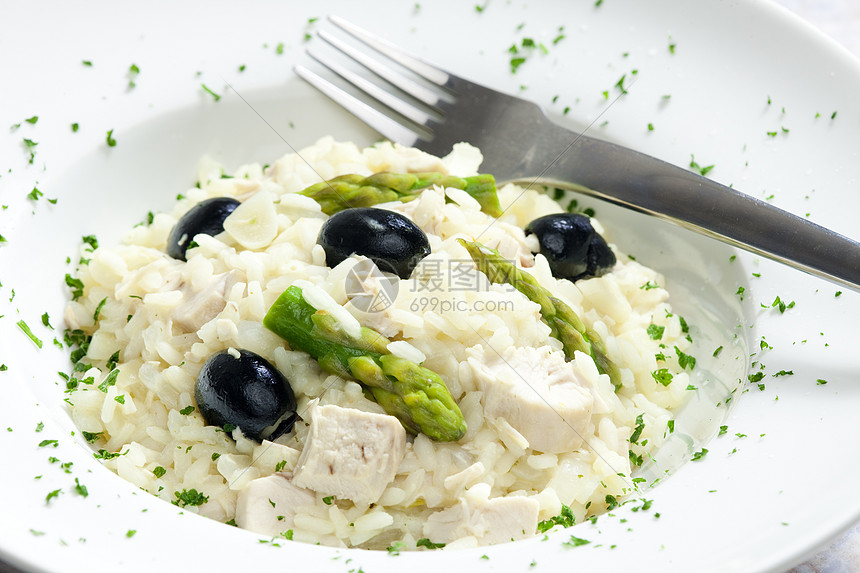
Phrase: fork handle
(646, 184)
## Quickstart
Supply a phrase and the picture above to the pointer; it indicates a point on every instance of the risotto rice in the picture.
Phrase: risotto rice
(148, 322)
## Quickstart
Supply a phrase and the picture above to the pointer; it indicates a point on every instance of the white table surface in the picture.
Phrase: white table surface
(839, 19)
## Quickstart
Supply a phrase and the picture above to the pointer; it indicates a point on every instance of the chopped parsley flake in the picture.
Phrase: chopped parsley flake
(75, 127)
(29, 145)
(516, 63)
(111, 142)
(424, 542)
(112, 361)
(723, 430)
(718, 351)
(81, 489)
(820, 382)
(186, 410)
(189, 497)
(655, 332)
(698, 168)
(576, 542)
(637, 431)
(699, 455)
(92, 437)
(394, 549)
(34, 194)
(565, 518)
(611, 502)
(778, 303)
(109, 380)
(51, 495)
(328, 499)
(133, 72)
(26, 330)
(130, 533)
(92, 241)
(685, 360)
(99, 308)
(214, 95)
(46, 443)
(103, 454)
(662, 376)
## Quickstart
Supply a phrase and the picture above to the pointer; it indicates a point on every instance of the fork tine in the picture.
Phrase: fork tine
(374, 91)
(428, 72)
(386, 126)
(412, 88)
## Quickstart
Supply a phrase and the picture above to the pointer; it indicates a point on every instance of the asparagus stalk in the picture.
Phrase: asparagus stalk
(359, 191)
(564, 323)
(415, 395)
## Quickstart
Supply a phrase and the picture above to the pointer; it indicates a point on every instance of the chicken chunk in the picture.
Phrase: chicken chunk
(199, 307)
(490, 521)
(267, 505)
(350, 454)
(537, 392)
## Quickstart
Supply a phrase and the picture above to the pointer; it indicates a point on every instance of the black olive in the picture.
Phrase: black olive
(572, 247)
(247, 392)
(393, 242)
(206, 217)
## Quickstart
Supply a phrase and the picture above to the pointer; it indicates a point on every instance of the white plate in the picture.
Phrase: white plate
(737, 72)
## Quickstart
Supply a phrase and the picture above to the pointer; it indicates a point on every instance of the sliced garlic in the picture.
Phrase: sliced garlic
(254, 223)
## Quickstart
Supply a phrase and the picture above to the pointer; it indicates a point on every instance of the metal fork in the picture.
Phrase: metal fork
(520, 143)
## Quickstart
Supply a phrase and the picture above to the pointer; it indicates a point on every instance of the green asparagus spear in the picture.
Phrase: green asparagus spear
(416, 395)
(358, 191)
(564, 323)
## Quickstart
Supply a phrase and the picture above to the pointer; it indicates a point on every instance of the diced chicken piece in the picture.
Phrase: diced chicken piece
(537, 392)
(490, 521)
(198, 308)
(270, 456)
(350, 454)
(267, 505)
